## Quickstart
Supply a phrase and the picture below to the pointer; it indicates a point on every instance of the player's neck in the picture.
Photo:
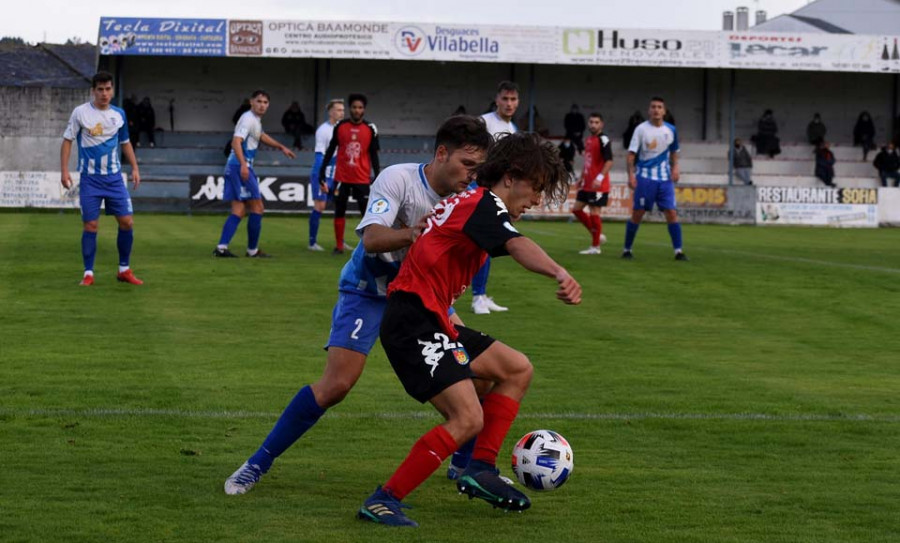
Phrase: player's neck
(97, 106)
(503, 118)
(657, 122)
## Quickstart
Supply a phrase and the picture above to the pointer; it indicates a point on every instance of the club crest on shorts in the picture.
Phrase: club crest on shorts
(461, 356)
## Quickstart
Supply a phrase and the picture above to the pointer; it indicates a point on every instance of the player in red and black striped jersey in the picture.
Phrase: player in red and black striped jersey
(593, 190)
(437, 360)
(356, 142)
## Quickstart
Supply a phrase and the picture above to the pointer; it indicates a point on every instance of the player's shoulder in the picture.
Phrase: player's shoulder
(372, 126)
(118, 110)
(604, 139)
(83, 109)
(671, 127)
(398, 174)
(325, 127)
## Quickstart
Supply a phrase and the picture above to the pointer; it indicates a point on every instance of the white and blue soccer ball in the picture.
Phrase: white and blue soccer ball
(542, 460)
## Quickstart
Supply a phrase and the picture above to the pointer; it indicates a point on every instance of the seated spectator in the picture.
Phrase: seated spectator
(633, 121)
(766, 139)
(816, 130)
(887, 162)
(864, 133)
(294, 123)
(742, 162)
(574, 124)
(146, 121)
(824, 163)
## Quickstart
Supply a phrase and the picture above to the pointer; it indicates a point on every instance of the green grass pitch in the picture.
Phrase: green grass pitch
(750, 395)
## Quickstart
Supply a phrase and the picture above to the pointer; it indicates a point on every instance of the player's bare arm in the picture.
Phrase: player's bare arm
(632, 180)
(271, 142)
(531, 257)
(676, 171)
(378, 238)
(65, 151)
(128, 151)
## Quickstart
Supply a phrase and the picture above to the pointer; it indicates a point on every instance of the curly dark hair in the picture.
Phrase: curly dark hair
(525, 155)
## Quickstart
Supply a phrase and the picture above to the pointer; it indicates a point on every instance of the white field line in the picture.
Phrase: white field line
(101, 412)
(798, 260)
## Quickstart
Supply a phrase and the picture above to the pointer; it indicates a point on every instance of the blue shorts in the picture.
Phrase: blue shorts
(649, 192)
(94, 190)
(317, 194)
(235, 189)
(355, 322)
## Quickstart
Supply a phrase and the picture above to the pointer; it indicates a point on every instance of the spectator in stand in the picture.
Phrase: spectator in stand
(669, 118)
(766, 138)
(129, 106)
(887, 162)
(294, 123)
(633, 121)
(146, 121)
(742, 162)
(574, 124)
(864, 133)
(824, 163)
(539, 127)
(567, 154)
(816, 130)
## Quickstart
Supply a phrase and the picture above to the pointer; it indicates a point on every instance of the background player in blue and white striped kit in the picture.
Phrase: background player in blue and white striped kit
(99, 129)
(320, 191)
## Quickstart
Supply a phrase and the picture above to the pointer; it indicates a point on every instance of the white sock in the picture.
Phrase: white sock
(123, 269)
(221, 247)
(88, 272)
(252, 252)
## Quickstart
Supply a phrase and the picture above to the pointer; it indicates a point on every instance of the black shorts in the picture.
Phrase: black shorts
(423, 357)
(591, 198)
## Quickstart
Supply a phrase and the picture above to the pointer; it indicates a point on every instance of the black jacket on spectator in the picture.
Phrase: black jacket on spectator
(766, 140)
(887, 160)
(825, 164)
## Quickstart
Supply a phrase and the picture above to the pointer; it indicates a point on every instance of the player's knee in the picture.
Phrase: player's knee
(333, 391)
(126, 222)
(469, 422)
(90, 226)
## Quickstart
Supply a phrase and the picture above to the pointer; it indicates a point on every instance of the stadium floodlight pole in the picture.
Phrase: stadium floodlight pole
(731, 128)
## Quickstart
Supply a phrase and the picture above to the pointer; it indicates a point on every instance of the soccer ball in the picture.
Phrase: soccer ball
(602, 239)
(542, 460)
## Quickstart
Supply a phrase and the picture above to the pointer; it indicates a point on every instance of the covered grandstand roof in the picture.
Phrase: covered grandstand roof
(47, 65)
(839, 17)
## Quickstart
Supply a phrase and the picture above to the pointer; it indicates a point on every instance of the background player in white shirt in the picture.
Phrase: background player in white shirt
(499, 121)
(335, 110)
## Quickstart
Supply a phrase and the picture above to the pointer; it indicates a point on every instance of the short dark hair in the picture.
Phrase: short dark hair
(524, 155)
(357, 97)
(101, 77)
(596, 115)
(507, 86)
(260, 92)
(461, 131)
(657, 99)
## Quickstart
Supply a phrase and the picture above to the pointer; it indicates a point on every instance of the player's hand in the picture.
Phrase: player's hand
(323, 187)
(569, 290)
(66, 179)
(245, 172)
(136, 178)
(288, 153)
(598, 181)
(420, 226)
(632, 182)
(676, 173)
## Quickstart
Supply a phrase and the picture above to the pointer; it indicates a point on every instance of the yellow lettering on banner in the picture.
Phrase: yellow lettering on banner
(701, 196)
(859, 196)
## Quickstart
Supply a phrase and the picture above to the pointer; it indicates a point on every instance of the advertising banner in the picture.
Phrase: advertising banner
(162, 37)
(629, 47)
(819, 52)
(279, 194)
(813, 206)
(37, 189)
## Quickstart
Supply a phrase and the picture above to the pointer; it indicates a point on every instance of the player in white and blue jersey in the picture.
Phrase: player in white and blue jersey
(320, 192)
(99, 129)
(241, 183)
(652, 174)
(401, 198)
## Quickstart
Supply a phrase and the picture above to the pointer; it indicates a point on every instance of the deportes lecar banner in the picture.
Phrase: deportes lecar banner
(162, 37)
(280, 194)
(813, 206)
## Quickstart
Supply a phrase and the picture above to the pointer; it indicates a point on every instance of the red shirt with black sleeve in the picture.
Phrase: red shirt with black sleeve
(597, 152)
(356, 145)
(464, 230)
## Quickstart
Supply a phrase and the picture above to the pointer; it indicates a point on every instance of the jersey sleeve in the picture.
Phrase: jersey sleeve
(72, 127)
(606, 148)
(489, 226)
(243, 128)
(385, 199)
(323, 138)
(123, 131)
(674, 146)
(635, 145)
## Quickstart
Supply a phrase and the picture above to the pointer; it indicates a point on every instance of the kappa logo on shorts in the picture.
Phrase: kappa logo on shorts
(433, 351)
(380, 206)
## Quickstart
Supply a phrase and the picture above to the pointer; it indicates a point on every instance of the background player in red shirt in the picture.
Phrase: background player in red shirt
(356, 142)
(593, 190)
(437, 360)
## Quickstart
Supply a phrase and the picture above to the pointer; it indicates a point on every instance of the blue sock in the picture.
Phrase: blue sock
(88, 249)
(462, 455)
(231, 226)
(630, 233)
(675, 234)
(298, 417)
(124, 243)
(314, 226)
(254, 228)
(479, 282)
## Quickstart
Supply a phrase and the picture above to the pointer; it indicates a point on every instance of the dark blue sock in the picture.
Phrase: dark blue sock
(254, 228)
(124, 243)
(630, 233)
(298, 417)
(675, 234)
(462, 455)
(231, 226)
(314, 226)
(88, 249)
(479, 282)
